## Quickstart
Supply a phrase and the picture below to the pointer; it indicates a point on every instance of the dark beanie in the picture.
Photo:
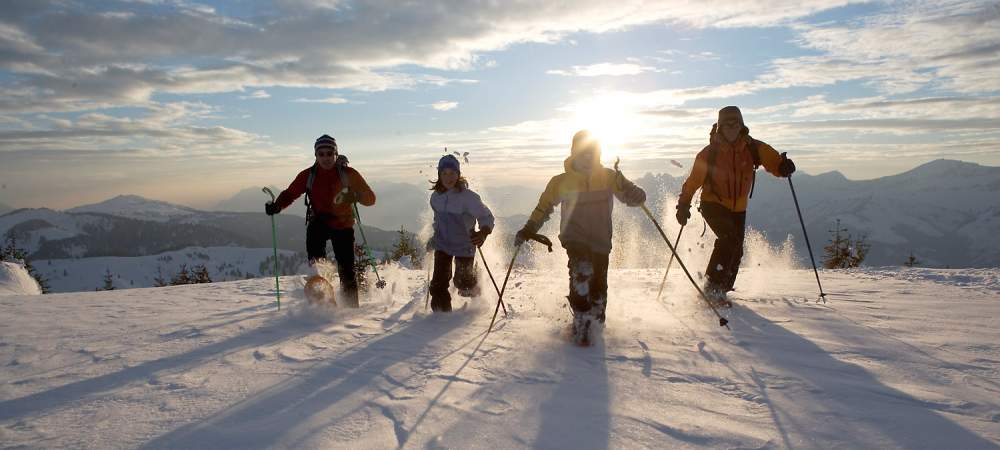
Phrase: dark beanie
(325, 141)
(448, 162)
(730, 111)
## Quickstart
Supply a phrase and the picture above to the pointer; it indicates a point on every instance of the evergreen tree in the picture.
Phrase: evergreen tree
(109, 281)
(182, 277)
(405, 247)
(843, 252)
(201, 274)
(361, 267)
(911, 260)
(159, 281)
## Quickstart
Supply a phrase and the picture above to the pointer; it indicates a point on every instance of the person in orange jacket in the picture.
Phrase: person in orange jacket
(725, 171)
(331, 189)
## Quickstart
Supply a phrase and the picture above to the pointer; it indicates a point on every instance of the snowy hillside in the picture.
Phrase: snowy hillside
(136, 207)
(945, 212)
(896, 359)
(223, 264)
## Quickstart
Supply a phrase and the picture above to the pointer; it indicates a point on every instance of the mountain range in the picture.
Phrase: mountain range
(946, 213)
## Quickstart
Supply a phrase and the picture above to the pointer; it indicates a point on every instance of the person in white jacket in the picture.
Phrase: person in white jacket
(456, 212)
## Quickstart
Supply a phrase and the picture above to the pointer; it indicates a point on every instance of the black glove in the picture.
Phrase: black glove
(521, 236)
(346, 196)
(479, 237)
(683, 213)
(271, 208)
(635, 197)
(787, 167)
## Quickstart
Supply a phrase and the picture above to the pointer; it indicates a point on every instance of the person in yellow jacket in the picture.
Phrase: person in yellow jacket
(585, 195)
(725, 171)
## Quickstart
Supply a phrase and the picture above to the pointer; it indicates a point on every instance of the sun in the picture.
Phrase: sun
(608, 119)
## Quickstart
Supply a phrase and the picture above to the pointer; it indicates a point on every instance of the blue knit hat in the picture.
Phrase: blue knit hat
(449, 162)
(325, 141)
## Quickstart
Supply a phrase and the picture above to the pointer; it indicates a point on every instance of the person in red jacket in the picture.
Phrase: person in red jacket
(725, 171)
(331, 189)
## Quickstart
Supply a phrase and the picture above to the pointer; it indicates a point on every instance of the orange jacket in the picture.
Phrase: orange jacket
(325, 187)
(733, 175)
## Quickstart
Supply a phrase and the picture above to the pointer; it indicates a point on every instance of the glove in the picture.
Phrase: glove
(635, 197)
(520, 237)
(683, 213)
(479, 237)
(346, 196)
(787, 167)
(525, 233)
(271, 208)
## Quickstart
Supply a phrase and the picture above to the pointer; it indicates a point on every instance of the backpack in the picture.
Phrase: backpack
(714, 153)
(309, 185)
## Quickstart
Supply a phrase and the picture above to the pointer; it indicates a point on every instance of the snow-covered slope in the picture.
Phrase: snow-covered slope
(136, 207)
(15, 280)
(223, 264)
(896, 359)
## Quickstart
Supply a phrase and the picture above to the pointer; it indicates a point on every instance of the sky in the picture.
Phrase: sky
(190, 102)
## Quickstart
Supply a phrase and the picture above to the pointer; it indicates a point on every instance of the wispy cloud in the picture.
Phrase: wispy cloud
(444, 105)
(329, 100)
(256, 95)
(604, 69)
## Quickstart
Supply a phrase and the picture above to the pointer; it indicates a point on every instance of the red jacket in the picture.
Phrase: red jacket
(325, 187)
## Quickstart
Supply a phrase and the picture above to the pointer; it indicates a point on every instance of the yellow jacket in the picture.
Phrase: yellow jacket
(586, 204)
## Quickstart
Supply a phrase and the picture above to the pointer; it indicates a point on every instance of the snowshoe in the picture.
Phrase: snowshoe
(717, 298)
(319, 291)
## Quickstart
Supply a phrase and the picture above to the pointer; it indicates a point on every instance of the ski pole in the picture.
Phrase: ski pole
(722, 320)
(534, 237)
(488, 272)
(368, 252)
(664, 282)
(822, 295)
(274, 241)
(427, 287)
(504, 288)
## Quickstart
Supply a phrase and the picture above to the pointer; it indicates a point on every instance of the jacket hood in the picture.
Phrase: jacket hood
(582, 142)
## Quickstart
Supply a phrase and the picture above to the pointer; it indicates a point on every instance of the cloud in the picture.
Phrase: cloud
(74, 57)
(329, 100)
(444, 105)
(255, 95)
(604, 69)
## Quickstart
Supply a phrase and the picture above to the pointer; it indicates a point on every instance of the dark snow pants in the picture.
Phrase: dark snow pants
(730, 230)
(317, 234)
(465, 279)
(588, 281)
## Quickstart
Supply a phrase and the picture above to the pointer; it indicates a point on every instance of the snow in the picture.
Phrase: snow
(897, 358)
(223, 264)
(136, 207)
(15, 280)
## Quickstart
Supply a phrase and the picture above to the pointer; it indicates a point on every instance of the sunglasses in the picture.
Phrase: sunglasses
(325, 154)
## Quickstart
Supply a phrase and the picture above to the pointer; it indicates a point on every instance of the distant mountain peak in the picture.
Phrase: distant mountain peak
(947, 166)
(136, 207)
